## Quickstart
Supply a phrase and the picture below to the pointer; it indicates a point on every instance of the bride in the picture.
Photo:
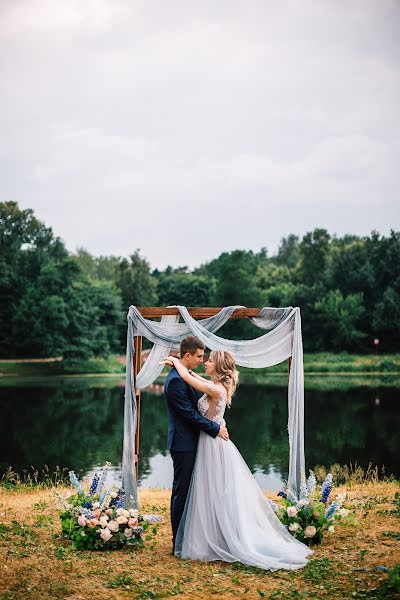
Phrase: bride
(226, 515)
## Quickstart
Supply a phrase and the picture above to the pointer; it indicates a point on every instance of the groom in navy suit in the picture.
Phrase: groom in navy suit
(184, 425)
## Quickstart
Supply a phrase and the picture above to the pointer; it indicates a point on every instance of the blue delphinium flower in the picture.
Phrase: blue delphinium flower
(282, 495)
(311, 482)
(326, 488)
(93, 487)
(154, 518)
(331, 510)
(113, 502)
(291, 497)
(74, 480)
(102, 479)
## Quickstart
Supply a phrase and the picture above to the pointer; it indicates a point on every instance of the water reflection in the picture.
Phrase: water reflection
(78, 424)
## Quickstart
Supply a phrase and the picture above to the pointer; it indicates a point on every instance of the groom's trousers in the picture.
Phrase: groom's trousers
(183, 468)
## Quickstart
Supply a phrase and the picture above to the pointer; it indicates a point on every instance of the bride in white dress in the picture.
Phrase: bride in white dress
(226, 515)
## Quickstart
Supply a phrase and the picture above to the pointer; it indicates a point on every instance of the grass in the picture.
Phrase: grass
(38, 564)
(28, 368)
(329, 363)
(318, 363)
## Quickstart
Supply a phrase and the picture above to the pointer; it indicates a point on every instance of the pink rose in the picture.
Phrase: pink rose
(105, 534)
(291, 511)
(128, 533)
(134, 512)
(93, 523)
(132, 522)
(97, 513)
(81, 521)
(109, 511)
(113, 526)
(310, 531)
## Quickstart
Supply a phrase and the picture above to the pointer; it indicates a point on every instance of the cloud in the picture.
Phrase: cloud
(189, 129)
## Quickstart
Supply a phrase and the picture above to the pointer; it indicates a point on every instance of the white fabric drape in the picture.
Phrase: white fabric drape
(280, 343)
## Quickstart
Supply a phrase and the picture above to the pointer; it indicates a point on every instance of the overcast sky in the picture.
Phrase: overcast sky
(188, 128)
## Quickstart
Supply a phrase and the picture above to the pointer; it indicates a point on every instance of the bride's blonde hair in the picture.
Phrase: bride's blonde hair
(225, 368)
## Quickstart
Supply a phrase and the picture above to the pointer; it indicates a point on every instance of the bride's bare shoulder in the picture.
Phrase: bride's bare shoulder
(216, 391)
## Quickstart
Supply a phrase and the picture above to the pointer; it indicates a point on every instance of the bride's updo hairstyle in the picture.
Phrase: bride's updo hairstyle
(225, 368)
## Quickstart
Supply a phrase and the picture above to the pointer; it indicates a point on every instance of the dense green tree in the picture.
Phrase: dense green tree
(236, 283)
(338, 318)
(288, 251)
(314, 255)
(386, 320)
(26, 246)
(186, 289)
(55, 303)
(135, 281)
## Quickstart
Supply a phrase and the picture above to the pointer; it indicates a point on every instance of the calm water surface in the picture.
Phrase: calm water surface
(77, 423)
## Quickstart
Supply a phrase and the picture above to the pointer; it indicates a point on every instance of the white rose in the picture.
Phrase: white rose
(303, 502)
(105, 534)
(121, 519)
(134, 512)
(291, 511)
(103, 521)
(294, 526)
(331, 529)
(126, 513)
(119, 511)
(113, 526)
(310, 531)
(128, 532)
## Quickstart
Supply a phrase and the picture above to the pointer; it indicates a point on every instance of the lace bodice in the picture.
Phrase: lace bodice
(213, 410)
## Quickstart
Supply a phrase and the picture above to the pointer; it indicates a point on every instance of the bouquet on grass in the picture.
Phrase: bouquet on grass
(94, 517)
(311, 515)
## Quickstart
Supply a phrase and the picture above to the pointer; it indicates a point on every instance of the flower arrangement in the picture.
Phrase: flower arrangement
(308, 517)
(94, 517)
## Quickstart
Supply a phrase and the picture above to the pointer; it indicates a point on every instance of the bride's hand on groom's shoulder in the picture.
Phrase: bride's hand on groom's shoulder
(167, 361)
(223, 433)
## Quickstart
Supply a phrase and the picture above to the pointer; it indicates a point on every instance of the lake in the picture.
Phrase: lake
(76, 422)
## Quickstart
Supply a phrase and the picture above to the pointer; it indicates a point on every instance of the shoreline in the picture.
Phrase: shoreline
(315, 364)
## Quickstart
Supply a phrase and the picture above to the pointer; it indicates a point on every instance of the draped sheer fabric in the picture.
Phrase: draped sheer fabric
(283, 340)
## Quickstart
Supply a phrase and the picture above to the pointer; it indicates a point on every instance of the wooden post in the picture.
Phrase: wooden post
(137, 364)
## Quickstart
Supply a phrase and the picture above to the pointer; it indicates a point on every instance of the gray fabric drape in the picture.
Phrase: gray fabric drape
(282, 341)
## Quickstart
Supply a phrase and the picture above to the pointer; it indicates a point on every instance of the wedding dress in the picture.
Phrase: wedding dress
(226, 515)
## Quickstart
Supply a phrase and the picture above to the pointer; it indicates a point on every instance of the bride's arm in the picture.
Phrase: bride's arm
(200, 377)
(196, 381)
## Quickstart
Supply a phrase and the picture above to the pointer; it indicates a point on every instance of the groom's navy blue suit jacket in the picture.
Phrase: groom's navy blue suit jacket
(184, 420)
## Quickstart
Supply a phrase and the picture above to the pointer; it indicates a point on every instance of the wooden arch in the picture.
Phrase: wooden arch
(154, 312)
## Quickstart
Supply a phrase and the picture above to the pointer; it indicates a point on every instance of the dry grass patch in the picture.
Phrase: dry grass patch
(37, 564)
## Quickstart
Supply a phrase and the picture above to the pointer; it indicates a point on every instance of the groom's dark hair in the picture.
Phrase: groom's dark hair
(190, 344)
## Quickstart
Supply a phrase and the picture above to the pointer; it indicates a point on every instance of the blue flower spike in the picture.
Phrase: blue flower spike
(326, 488)
(93, 487)
(331, 510)
(311, 482)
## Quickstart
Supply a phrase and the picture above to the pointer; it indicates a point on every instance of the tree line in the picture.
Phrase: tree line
(55, 303)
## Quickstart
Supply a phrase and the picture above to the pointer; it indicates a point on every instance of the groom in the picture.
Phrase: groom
(184, 425)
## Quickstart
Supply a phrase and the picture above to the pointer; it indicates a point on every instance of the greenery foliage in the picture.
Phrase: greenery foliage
(310, 516)
(94, 517)
(53, 303)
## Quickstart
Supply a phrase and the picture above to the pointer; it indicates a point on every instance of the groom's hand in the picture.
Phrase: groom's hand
(223, 433)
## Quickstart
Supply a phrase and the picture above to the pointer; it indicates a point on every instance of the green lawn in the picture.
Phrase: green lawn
(323, 363)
